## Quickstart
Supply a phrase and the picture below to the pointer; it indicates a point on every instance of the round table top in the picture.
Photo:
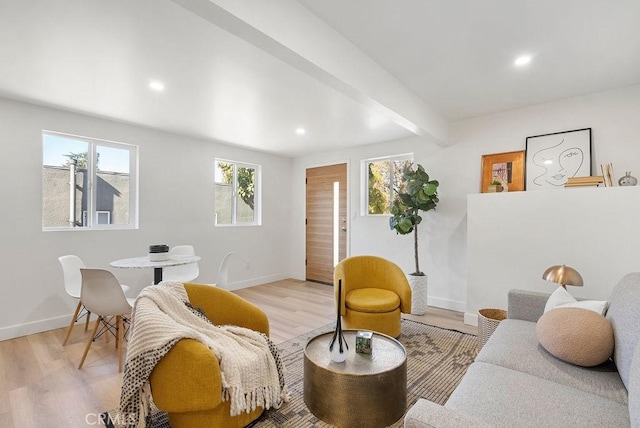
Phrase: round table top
(144, 262)
(386, 354)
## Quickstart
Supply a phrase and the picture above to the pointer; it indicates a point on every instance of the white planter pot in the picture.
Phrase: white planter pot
(418, 286)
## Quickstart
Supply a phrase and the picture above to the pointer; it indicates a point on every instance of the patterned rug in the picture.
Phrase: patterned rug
(436, 361)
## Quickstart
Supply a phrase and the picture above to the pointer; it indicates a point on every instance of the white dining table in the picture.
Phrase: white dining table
(144, 263)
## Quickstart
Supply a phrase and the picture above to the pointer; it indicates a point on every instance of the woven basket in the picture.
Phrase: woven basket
(488, 320)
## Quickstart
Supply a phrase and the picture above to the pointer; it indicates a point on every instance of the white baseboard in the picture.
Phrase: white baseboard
(33, 327)
(40, 326)
(471, 319)
(256, 281)
(453, 305)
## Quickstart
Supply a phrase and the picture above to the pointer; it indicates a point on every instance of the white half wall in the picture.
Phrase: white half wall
(613, 117)
(514, 237)
(176, 207)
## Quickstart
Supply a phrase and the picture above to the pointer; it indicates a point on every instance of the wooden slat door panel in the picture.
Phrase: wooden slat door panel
(319, 211)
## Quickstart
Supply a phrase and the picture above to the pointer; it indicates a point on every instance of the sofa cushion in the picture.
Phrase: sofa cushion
(559, 297)
(515, 345)
(634, 390)
(373, 300)
(578, 336)
(625, 318)
(508, 398)
(427, 414)
(562, 299)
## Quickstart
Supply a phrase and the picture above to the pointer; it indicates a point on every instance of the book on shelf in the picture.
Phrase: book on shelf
(589, 179)
(584, 181)
(582, 185)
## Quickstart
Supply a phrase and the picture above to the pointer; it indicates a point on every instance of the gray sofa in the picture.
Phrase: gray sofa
(515, 382)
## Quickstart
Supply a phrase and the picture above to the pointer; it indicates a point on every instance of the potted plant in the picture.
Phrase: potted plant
(418, 193)
(495, 186)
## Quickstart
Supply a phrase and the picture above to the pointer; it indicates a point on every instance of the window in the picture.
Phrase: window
(237, 193)
(383, 179)
(88, 183)
(102, 217)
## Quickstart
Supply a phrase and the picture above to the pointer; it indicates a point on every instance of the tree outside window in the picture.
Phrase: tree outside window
(384, 179)
(236, 193)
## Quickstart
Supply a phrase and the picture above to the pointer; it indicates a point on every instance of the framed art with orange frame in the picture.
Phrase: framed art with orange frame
(507, 168)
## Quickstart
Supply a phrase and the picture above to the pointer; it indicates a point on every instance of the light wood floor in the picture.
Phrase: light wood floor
(40, 385)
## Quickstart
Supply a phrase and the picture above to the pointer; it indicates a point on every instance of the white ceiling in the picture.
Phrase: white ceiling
(249, 76)
(457, 55)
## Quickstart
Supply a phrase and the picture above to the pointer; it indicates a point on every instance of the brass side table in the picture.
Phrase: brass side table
(364, 391)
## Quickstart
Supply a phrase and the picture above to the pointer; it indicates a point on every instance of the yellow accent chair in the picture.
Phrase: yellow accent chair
(374, 293)
(186, 383)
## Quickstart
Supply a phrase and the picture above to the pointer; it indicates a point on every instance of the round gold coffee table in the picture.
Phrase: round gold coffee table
(364, 391)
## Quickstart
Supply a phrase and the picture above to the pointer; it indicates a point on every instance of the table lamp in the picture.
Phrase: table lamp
(563, 275)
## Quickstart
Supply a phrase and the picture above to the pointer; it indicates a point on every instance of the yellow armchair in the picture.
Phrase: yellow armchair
(374, 293)
(186, 383)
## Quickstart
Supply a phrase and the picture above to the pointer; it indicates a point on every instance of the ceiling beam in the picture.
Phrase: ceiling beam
(292, 33)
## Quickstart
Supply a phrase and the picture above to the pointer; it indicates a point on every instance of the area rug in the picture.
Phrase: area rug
(436, 361)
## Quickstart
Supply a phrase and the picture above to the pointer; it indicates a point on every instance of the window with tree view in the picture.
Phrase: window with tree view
(384, 179)
(87, 183)
(236, 193)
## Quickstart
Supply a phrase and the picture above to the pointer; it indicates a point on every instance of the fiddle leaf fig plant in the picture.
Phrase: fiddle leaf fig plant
(418, 193)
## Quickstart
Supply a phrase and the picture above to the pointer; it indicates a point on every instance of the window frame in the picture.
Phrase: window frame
(365, 180)
(92, 213)
(257, 197)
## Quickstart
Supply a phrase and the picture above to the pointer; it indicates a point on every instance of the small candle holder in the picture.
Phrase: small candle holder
(364, 342)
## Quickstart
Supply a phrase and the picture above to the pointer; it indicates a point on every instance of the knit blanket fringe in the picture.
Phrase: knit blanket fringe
(267, 397)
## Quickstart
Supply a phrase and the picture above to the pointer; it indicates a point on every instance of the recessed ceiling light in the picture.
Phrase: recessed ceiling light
(301, 131)
(523, 60)
(156, 85)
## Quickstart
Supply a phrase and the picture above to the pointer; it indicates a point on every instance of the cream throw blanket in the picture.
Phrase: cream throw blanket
(252, 372)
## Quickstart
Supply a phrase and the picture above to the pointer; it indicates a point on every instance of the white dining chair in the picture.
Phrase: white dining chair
(102, 295)
(223, 271)
(182, 273)
(72, 279)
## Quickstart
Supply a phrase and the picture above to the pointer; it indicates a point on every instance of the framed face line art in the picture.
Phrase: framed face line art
(552, 158)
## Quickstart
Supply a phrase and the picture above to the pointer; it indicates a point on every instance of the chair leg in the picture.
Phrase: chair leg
(86, 349)
(86, 322)
(73, 321)
(120, 341)
(117, 334)
(106, 333)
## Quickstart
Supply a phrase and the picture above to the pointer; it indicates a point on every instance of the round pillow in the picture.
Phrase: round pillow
(575, 335)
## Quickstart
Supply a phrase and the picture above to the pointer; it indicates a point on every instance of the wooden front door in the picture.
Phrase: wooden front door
(326, 231)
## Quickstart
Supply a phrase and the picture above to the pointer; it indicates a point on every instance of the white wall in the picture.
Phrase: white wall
(613, 117)
(176, 202)
(370, 234)
(514, 237)
(176, 207)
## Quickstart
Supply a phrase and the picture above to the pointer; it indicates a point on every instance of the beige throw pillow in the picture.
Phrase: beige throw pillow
(576, 335)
